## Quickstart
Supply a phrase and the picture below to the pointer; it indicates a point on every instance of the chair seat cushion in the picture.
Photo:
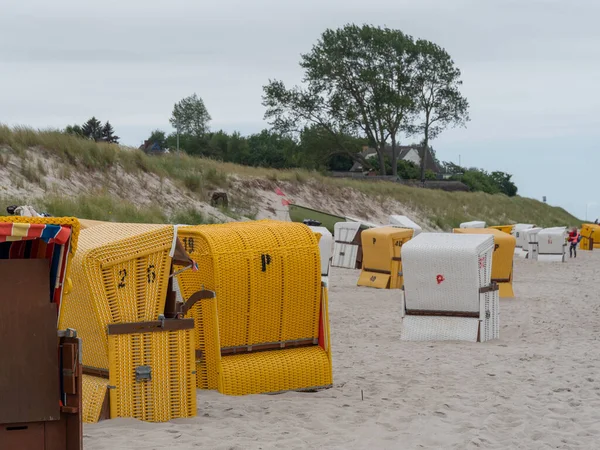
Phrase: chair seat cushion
(275, 371)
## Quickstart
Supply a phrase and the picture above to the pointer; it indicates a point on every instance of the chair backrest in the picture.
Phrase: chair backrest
(346, 231)
(325, 248)
(120, 274)
(266, 276)
(531, 234)
(552, 241)
(381, 245)
(444, 272)
(504, 228)
(405, 222)
(473, 224)
(504, 250)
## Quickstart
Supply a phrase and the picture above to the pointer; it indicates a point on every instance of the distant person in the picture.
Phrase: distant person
(573, 240)
(596, 221)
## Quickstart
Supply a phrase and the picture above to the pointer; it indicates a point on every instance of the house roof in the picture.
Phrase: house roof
(404, 150)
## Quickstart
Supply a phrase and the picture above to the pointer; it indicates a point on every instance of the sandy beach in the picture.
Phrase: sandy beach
(537, 387)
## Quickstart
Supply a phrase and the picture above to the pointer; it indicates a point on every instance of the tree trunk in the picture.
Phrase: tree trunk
(381, 154)
(394, 157)
(425, 147)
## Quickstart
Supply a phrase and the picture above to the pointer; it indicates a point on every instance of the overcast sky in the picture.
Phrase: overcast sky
(528, 69)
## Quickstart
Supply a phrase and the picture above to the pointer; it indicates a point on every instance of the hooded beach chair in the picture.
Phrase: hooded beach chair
(347, 247)
(590, 236)
(131, 341)
(40, 371)
(448, 288)
(325, 239)
(267, 329)
(552, 244)
(502, 259)
(531, 237)
(520, 236)
(473, 224)
(405, 222)
(504, 228)
(382, 262)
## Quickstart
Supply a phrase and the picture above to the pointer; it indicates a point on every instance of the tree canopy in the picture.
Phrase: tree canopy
(190, 116)
(373, 83)
(93, 129)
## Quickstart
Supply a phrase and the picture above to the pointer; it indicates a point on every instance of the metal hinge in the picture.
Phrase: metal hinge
(143, 373)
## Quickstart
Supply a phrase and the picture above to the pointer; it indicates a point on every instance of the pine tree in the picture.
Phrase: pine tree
(92, 129)
(108, 134)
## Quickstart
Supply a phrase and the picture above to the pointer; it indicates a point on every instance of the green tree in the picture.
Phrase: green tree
(319, 149)
(290, 111)
(271, 149)
(92, 129)
(238, 150)
(190, 116)
(357, 81)
(408, 170)
(504, 183)
(159, 138)
(74, 130)
(108, 134)
(438, 100)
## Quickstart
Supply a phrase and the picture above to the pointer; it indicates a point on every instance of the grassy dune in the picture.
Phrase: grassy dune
(198, 175)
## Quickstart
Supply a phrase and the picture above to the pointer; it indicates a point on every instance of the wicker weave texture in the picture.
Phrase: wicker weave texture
(504, 228)
(266, 371)
(120, 274)
(88, 223)
(589, 232)
(552, 241)
(171, 391)
(94, 393)
(266, 277)
(381, 255)
(519, 233)
(443, 272)
(439, 328)
(344, 253)
(325, 248)
(206, 328)
(473, 224)
(405, 222)
(504, 250)
(267, 280)
(275, 371)
(531, 237)
(489, 316)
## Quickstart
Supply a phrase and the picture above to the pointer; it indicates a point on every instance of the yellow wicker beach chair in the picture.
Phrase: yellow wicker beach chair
(120, 274)
(382, 262)
(502, 258)
(267, 329)
(121, 285)
(590, 236)
(508, 229)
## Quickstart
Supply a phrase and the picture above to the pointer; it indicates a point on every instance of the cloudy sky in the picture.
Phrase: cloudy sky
(528, 68)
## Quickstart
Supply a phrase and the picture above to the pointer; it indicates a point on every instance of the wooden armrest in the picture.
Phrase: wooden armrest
(195, 298)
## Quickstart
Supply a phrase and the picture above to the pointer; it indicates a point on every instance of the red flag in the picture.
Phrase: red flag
(285, 202)
(279, 192)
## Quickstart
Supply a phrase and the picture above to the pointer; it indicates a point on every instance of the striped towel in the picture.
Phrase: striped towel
(38, 241)
(50, 234)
